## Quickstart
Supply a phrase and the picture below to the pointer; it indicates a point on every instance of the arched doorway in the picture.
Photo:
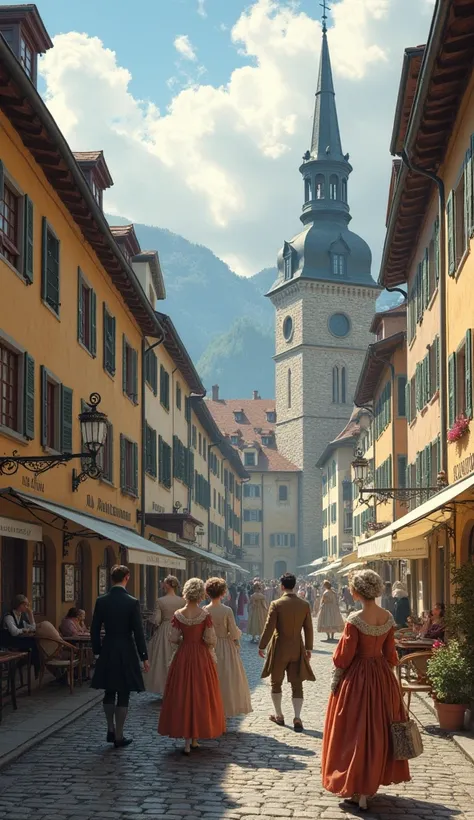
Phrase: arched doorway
(280, 568)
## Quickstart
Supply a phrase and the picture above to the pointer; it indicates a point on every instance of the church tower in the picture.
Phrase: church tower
(324, 299)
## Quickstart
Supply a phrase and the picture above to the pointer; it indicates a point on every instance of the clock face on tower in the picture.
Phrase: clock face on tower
(339, 325)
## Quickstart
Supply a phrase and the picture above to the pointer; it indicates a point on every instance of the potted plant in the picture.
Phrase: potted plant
(450, 676)
(459, 428)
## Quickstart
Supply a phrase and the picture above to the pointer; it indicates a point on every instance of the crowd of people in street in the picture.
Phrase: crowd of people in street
(193, 662)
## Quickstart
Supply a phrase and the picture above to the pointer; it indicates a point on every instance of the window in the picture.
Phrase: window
(383, 410)
(235, 440)
(239, 416)
(267, 441)
(10, 226)
(202, 491)
(178, 396)
(325, 484)
(251, 490)
(187, 409)
(282, 492)
(319, 186)
(333, 513)
(460, 381)
(344, 190)
(97, 194)
(194, 436)
(200, 444)
(307, 189)
(150, 451)
(38, 588)
(86, 314)
(402, 471)
(164, 388)
(347, 489)
(333, 473)
(130, 371)
(251, 539)
(339, 325)
(401, 396)
(164, 463)
(128, 466)
(282, 539)
(289, 387)
(249, 459)
(334, 545)
(271, 416)
(288, 263)
(335, 385)
(26, 57)
(347, 520)
(151, 371)
(214, 498)
(288, 328)
(333, 186)
(9, 388)
(109, 342)
(50, 268)
(252, 515)
(106, 456)
(50, 406)
(325, 517)
(338, 264)
(183, 462)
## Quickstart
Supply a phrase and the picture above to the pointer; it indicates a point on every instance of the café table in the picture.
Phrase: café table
(10, 659)
(409, 645)
(84, 646)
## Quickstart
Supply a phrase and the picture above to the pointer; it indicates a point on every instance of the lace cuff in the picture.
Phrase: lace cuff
(209, 637)
(336, 677)
(175, 635)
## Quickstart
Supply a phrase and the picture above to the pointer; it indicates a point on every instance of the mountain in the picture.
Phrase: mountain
(240, 361)
(224, 320)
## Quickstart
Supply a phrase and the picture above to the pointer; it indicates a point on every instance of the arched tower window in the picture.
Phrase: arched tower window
(319, 186)
(344, 190)
(307, 189)
(339, 385)
(335, 385)
(333, 186)
(289, 387)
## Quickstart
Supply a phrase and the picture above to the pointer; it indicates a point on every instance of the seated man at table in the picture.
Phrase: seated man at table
(71, 625)
(20, 619)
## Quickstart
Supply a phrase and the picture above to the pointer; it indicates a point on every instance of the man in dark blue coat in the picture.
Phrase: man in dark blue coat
(118, 666)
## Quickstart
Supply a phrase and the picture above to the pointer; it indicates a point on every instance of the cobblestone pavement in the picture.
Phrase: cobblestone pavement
(257, 769)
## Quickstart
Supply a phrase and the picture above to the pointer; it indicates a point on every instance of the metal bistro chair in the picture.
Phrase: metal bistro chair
(415, 679)
(59, 656)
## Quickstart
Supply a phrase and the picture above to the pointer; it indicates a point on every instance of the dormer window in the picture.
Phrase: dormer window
(239, 416)
(23, 29)
(127, 241)
(235, 440)
(267, 440)
(250, 458)
(271, 416)
(94, 168)
(288, 254)
(338, 264)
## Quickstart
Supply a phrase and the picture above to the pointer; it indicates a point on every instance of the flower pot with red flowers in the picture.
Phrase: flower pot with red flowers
(450, 676)
(458, 429)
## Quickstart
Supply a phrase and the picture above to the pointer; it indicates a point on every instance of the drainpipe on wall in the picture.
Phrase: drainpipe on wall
(443, 373)
(145, 351)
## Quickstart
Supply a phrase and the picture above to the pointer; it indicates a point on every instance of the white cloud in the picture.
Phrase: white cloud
(201, 8)
(220, 165)
(185, 48)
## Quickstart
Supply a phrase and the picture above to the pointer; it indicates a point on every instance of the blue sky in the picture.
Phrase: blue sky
(203, 108)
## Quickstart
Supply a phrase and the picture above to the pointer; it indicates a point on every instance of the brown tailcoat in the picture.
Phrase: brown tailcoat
(282, 634)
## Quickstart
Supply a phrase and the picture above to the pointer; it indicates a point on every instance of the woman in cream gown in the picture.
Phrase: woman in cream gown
(258, 611)
(160, 650)
(330, 619)
(232, 678)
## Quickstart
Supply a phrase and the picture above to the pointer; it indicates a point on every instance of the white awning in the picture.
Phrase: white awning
(316, 563)
(406, 537)
(212, 558)
(140, 548)
(351, 567)
(329, 568)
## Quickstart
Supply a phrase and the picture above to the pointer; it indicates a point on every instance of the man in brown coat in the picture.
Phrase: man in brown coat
(287, 653)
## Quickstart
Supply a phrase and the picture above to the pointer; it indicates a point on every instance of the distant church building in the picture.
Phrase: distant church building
(324, 299)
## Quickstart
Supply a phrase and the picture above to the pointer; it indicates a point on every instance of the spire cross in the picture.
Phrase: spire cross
(324, 17)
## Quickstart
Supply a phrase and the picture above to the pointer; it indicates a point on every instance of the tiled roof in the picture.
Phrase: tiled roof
(346, 438)
(253, 425)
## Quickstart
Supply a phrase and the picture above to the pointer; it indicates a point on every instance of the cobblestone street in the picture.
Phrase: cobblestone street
(256, 770)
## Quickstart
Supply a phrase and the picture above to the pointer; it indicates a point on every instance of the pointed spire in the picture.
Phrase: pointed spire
(326, 140)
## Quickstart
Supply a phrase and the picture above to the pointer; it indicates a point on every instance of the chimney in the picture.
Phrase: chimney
(215, 392)
(256, 395)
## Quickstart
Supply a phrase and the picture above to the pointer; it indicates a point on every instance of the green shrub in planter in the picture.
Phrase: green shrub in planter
(450, 674)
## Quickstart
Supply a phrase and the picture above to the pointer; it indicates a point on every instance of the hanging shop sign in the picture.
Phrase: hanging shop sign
(11, 528)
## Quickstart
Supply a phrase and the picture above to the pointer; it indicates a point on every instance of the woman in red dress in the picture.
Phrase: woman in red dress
(357, 753)
(192, 703)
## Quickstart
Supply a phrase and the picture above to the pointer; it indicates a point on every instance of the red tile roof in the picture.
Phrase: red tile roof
(253, 425)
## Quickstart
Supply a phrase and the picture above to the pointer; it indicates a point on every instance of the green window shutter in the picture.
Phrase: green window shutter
(468, 195)
(135, 375)
(389, 402)
(436, 250)
(29, 398)
(401, 471)
(429, 391)
(401, 396)
(417, 387)
(408, 401)
(154, 369)
(111, 343)
(66, 419)
(135, 469)
(122, 462)
(418, 294)
(44, 258)
(160, 459)
(428, 466)
(425, 280)
(437, 362)
(80, 306)
(93, 319)
(28, 239)
(468, 373)
(418, 470)
(175, 457)
(451, 389)
(124, 364)
(44, 409)
(109, 443)
(450, 235)
(438, 455)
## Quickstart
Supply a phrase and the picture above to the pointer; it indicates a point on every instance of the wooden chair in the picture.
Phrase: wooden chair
(59, 656)
(415, 667)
